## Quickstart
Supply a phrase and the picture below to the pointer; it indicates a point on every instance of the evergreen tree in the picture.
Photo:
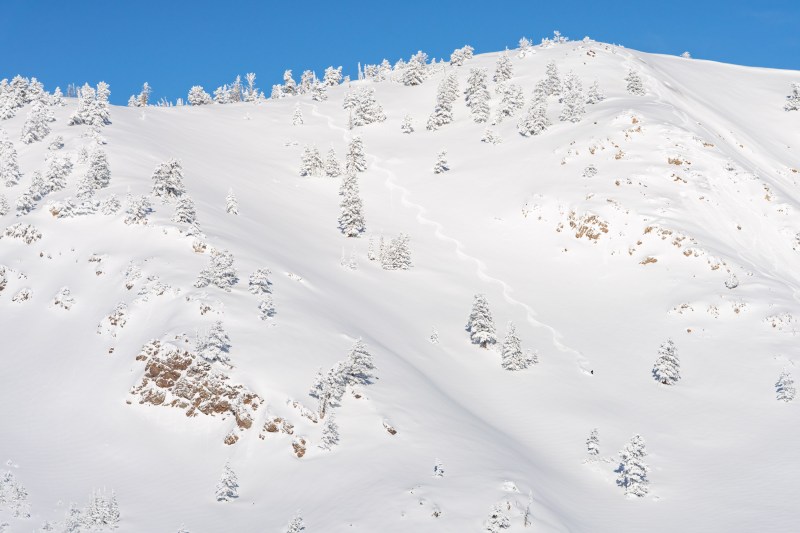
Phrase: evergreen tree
(332, 167)
(593, 444)
(351, 219)
(251, 93)
(198, 96)
(366, 110)
(595, 95)
(307, 81)
(36, 125)
(408, 124)
(297, 116)
(784, 388)
(438, 468)
(397, 256)
(296, 525)
(497, 520)
(228, 487)
(477, 95)
(330, 433)
(137, 211)
(9, 167)
(332, 77)
(481, 325)
(572, 99)
(56, 172)
(57, 99)
(222, 95)
(524, 48)
(667, 366)
(56, 144)
(231, 203)
(289, 85)
(441, 163)
(504, 70)
(535, 120)
(512, 356)
(8, 107)
(311, 162)
(266, 307)
(214, 344)
(355, 161)
(220, 271)
(259, 282)
(553, 83)
(98, 174)
(632, 470)
(319, 92)
(793, 100)
(168, 180)
(443, 112)
(416, 70)
(185, 212)
(490, 136)
(511, 101)
(358, 368)
(635, 85)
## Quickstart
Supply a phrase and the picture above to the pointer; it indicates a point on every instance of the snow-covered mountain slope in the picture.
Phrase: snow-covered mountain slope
(599, 239)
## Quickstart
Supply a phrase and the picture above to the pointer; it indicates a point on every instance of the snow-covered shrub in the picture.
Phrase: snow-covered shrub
(593, 445)
(64, 299)
(25, 232)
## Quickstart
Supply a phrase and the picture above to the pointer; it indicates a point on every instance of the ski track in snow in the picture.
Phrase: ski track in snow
(480, 266)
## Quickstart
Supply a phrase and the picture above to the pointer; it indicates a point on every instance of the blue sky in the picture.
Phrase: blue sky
(176, 44)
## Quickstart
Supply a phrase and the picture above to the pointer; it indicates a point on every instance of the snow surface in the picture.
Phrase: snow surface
(722, 450)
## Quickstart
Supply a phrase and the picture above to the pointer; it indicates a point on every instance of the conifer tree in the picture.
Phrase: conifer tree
(535, 120)
(56, 172)
(330, 433)
(784, 388)
(524, 48)
(595, 95)
(481, 325)
(332, 77)
(667, 366)
(355, 161)
(259, 282)
(497, 520)
(220, 271)
(477, 95)
(98, 175)
(289, 85)
(366, 110)
(214, 344)
(793, 100)
(512, 101)
(438, 468)
(297, 116)
(228, 487)
(441, 163)
(231, 203)
(632, 470)
(319, 92)
(137, 210)
(332, 167)
(9, 167)
(408, 124)
(553, 82)
(185, 212)
(593, 444)
(416, 70)
(311, 162)
(512, 356)
(397, 255)
(8, 107)
(504, 70)
(351, 219)
(36, 125)
(572, 99)
(168, 180)
(296, 524)
(198, 96)
(635, 85)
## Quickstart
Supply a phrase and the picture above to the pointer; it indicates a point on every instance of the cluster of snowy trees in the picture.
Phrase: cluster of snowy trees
(14, 494)
(141, 99)
(363, 107)
(482, 332)
(631, 470)
(329, 387)
(92, 106)
(460, 55)
(220, 271)
(394, 255)
(793, 100)
(259, 285)
(9, 165)
(309, 83)
(311, 163)
(20, 91)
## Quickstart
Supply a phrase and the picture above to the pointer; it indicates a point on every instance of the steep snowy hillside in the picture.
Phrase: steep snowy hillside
(669, 214)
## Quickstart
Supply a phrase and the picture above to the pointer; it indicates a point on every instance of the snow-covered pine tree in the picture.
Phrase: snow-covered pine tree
(185, 212)
(311, 162)
(36, 126)
(504, 70)
(511, 101)
(4, 205)
(137, 210)
(332, 77)
(512, 356)
(329, 388)
(572, 99)
(480, 324)
(330, 433)
(289, 85)
(358, 368)
(101, 114)
(635, 85)
(56, 144)
(408, 124)
(497, 521)
(355, 161)
(524, 48)
(443, 112)
(259, 282)
(144, 96)
(593, 444)
(296, 524)
(460, 55)
(168, 180)
(250, 93)
(56, 171)
(231, 203)
(535, 120)
(477, 95)
(351, 219)
(307, 80)
(319, 92)
(228, 487)
(198, 96)
(297, 116)
(441, 163)
(214, 344)
(416, 70)
(8, 107)
(438, 468)
(9, 166)
(98, 174)
(784, 387)
(220, 271)
(366, 109)
(667, 368)
(57, 98)
(397, 255)
(553, 82)
(793, 100)
(595, 95)
(333, 169)
(222, 95)
(266, 307)
(632, 470)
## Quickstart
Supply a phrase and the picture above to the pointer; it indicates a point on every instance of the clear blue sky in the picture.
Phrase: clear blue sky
(175, 44)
